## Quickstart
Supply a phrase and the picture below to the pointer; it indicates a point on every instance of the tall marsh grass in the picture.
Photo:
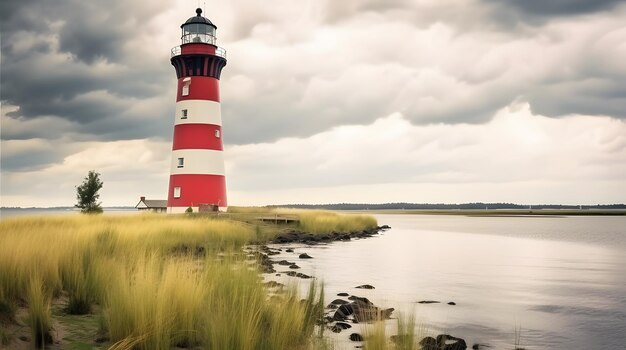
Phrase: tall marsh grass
(324, 221)
(160, 281)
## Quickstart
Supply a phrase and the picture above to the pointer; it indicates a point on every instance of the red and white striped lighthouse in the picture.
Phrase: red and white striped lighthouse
(197, 177)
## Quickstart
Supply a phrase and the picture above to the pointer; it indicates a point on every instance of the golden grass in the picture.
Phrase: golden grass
(160, 281)
(325, 221)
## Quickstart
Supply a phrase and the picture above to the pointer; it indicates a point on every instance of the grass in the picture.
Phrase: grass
(155, 281)
(406, 339)
(313, 221)
(40, 320)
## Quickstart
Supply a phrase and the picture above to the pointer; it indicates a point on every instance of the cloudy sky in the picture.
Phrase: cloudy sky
(323, 101)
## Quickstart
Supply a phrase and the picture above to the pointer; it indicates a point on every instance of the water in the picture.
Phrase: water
(6, 213)
(560, 280)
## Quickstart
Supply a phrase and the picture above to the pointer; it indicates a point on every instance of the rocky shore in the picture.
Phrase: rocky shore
(295, 236)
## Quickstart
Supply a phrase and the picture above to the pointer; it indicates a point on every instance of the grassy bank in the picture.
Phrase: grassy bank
(153, 281)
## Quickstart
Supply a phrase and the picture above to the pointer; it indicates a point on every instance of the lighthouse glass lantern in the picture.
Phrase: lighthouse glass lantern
(197, 176)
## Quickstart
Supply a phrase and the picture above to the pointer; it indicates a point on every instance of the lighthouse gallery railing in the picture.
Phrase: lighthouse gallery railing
(218, 51)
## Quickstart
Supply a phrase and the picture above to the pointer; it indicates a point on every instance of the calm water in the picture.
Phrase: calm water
(7, 213)
(561, 279)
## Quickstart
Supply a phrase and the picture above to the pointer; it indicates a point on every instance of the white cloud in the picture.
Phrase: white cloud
(523, 157)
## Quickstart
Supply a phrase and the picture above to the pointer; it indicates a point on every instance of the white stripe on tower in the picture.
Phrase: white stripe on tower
(198, 112)
(197, 161)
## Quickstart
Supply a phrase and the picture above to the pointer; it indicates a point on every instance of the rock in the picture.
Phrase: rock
(342, 294)
(361, 299)
(384, 227)
(429, 343)
(285, 263)
(457, 343)
(291, 273)
(452, 303)
(335, 329)
(289, 250)
(365, 286)
(294, 266)
(343, 312)
(305, 256)
(264, 262)
(356, 337)
(428, 302)
(301, 275)
(332, 306)
(339, 302)
(343, 325)
(273, 284)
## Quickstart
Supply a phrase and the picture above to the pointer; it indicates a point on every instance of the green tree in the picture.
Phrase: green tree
(87, 194)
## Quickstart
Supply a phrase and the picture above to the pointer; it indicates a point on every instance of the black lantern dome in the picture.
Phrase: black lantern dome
(198, 29)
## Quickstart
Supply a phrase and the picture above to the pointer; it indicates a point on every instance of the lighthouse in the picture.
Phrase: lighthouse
(197, 177)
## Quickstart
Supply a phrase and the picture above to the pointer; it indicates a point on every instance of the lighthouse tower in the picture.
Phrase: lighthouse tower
(197, 170)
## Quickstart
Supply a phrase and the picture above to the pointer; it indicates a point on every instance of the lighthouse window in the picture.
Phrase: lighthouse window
(181, 162)
(186, 83)
(217, 134)
(176, 192)
(184, 114)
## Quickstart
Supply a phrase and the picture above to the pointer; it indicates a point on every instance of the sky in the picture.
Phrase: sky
(438, 101)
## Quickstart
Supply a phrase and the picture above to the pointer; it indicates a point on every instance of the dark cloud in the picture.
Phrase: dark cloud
(554, 8)
(71, 60)
(91, 64)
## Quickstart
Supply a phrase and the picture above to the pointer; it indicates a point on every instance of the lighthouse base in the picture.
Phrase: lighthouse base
(197, 209)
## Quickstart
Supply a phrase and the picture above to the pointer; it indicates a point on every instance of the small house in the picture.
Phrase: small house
(154, 205)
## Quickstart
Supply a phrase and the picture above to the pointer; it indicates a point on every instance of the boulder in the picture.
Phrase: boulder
(343, 325)
(342, 294)
(305, 256)
(428, 302)
(339, 302)
(343, 312)
(356, 337)
(448, 342)
(365, 286)
(429, 343)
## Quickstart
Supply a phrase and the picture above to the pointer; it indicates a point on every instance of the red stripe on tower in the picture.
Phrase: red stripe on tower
(197, 136)
(197, 177)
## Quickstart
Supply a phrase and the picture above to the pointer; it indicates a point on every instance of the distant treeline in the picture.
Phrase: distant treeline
(440, 206)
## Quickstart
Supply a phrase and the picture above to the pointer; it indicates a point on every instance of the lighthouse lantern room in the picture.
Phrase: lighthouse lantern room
(197, 177)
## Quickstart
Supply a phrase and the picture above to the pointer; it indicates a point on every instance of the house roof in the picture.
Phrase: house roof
(152, 203)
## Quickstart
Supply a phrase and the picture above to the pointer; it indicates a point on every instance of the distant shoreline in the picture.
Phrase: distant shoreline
(499, 212)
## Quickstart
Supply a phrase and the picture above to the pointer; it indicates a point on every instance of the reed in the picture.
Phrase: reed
(406, 338)
(324, 222)
(160, 282)
(39, 317)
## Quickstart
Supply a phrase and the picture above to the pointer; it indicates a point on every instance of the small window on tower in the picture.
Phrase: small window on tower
(181, 162)
(217, 134)
(186, 83)
(176, 192)
(184, 114)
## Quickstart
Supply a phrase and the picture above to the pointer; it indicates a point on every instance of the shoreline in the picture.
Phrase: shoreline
(495, 212)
